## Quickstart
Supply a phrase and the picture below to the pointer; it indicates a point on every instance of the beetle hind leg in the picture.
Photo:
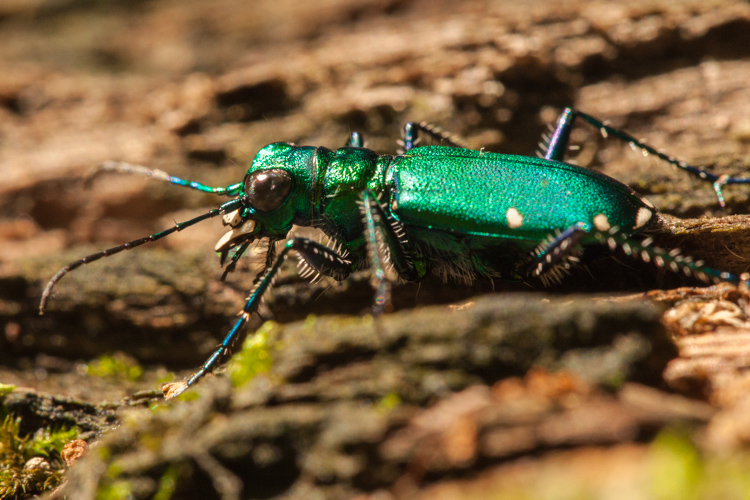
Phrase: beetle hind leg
(672, 260)
(552, 260)
(555, 147)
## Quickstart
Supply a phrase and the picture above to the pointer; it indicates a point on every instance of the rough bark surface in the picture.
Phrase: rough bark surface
(582, 384)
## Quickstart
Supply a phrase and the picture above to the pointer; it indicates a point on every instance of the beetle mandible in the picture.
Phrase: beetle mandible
(513, 217)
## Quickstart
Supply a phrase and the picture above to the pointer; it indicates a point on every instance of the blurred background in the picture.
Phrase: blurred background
(196, 87)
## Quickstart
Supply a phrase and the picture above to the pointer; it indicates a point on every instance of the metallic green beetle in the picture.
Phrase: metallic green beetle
(453, 211)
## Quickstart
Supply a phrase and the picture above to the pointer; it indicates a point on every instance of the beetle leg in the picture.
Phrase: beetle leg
(233, 262)
(400, 253)
(411, 136)
(318, 256)
(557, 144)
(355, 140)
(717, 181)
(376, 248)
(553, 258)
(661, 258)
(270, 258)
(386, 245)
(129, 168)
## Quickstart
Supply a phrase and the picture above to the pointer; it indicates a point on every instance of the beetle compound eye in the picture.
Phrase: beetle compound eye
(267, 189)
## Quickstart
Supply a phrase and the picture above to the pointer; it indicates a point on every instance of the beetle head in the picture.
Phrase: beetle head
(276, 193)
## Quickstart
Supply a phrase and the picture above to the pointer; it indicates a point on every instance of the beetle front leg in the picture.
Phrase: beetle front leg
(241, 248)
(316, 255)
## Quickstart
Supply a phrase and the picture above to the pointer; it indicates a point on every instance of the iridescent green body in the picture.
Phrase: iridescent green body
(464, 212)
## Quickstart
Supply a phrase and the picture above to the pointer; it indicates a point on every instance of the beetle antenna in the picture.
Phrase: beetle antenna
(122, 167)
(226, 207)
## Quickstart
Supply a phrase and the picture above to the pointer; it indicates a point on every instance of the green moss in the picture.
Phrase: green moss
(615, 381)
(168, 484)
(676, 467)
(118, 366)
(255, 356)
(115, 490)
(5, 389)
(310, 321)
(152, 442)
(46, 443)
(679, 471)
(168, 377)
(16, 478)
(189, 396)
(114, 470)
(388, 402)
(104, 453)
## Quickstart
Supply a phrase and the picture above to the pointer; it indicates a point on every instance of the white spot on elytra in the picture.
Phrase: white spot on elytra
(601, 222)
(648, 203)
(642, 217)
(515, 219)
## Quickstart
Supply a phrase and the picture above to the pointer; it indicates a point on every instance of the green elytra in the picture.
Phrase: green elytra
(453, 211)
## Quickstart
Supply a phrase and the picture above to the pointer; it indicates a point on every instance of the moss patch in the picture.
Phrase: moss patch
(30, 464)
(255, 356)
(118, 366)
